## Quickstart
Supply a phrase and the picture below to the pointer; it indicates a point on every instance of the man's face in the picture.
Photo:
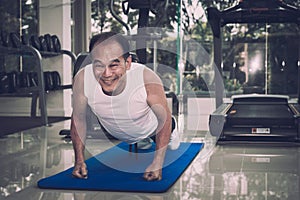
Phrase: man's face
(109, 66)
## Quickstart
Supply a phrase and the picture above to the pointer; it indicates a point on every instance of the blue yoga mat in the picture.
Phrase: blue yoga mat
(117, 169)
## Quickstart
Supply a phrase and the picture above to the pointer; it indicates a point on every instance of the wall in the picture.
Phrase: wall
(55, 18)
(198, 111)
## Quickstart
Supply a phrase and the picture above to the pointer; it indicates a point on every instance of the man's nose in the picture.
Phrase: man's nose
(107, 71)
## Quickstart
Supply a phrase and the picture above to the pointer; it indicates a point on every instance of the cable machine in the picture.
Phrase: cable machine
(157, 7)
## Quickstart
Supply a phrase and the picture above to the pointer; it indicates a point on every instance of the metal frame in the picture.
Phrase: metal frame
(39, 91)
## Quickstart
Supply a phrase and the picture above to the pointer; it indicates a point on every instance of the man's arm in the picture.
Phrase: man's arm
(156, 99)
(78, 125)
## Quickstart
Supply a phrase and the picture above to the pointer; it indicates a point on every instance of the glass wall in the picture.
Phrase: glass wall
(261, 58)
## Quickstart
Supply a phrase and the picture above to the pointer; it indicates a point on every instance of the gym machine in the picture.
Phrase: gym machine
(253, 118)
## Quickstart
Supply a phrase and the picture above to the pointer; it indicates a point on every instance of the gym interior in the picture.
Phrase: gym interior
(230, 70)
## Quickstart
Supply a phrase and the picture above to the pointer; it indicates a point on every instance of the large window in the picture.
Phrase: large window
(17, 16)
(261, 58)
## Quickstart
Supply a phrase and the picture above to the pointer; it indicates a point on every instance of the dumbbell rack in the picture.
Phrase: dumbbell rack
(37, 91)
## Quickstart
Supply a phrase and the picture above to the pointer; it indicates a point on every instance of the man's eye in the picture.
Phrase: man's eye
(114, 65)
(99, 66)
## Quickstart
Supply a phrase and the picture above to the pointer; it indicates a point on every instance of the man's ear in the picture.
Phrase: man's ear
(128, 62)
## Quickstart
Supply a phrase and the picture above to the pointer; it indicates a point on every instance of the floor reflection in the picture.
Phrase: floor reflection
(256, 173)
(21, 165)
(218, 172)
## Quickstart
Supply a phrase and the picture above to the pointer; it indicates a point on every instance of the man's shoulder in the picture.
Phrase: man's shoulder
(82, 70)
(135, 66)
(150, 76)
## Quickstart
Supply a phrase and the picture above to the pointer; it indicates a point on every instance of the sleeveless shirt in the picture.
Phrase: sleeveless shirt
(126, 116)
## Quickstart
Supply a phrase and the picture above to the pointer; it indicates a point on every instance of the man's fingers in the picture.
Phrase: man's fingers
(80, 171)
(84, 172)
(79, 174)
(152, 176)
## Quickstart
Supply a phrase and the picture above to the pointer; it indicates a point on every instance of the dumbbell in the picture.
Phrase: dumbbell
(66, 133)
(9, 82)
(50, 45)
(25, 39)
(15, 39)
(35, 42)
(4, 82)
(52, 80)
(56, 79)
(56, 43)
(24, 79)
(43, 43)
(14, 81)
(33, 79)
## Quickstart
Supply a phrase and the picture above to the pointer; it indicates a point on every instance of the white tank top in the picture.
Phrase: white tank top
(126, 116)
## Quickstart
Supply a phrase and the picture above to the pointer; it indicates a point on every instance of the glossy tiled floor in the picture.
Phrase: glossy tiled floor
(218, 172)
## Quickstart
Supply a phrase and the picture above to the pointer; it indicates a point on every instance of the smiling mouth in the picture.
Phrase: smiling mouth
(107, 80)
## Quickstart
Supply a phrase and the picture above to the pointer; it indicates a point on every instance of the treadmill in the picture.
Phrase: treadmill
(257, 118)
(253, 118)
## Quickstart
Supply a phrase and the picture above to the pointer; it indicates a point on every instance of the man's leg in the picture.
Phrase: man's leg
(145, 143)
(175, 136)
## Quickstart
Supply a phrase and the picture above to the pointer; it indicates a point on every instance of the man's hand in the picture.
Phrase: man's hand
(80, 170)
(153, 173)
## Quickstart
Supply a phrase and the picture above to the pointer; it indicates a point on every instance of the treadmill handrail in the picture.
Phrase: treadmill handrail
(272, 12)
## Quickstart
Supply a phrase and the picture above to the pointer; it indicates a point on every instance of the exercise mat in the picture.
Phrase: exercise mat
(117, 169)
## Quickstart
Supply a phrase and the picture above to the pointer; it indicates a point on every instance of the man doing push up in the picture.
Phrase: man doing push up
(128, 99)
